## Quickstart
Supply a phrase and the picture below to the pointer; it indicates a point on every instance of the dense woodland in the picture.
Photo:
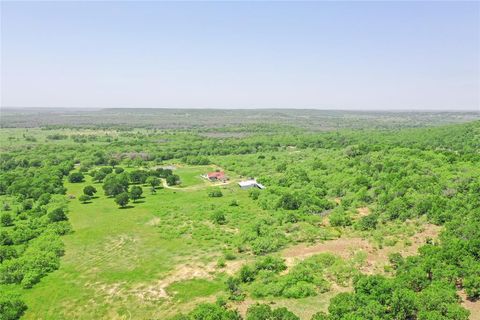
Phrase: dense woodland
(428, 174)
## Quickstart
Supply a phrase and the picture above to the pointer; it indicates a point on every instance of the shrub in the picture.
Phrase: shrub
(75, 177)
(367, 222)
(219, 218)
(89, 191)
(11, 307)
(57, 215)
(300, 289)
(215, 193)
(472, 286)
(122, 199)
(6, 219)
(135, 193)
(340, 218)
(254, 193)
(119, 170)
(84, 198)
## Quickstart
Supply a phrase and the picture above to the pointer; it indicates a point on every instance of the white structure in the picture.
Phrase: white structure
(250, 184)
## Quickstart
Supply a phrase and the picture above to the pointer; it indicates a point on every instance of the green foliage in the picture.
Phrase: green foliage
(41, 257)
(218, 217)
(265, 312)
(114, 184)
(75, 177)
(57, 215)
(138, 176)
(11, 307)
(210, 311)
(215, 193)
(122, 199)
(368, 222)
(84, 198)
(135, 193)
(172, 179)
(472, 286)
(340, 218)
(6, 219)
(153, 181)
(89, 190)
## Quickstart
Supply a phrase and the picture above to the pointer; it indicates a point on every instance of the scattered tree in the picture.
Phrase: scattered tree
(75, 177)
(135, 193)
(122, 199)
(89, 191)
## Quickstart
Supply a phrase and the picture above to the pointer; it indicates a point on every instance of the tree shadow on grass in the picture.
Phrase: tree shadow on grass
(139, 201)
(127, 207)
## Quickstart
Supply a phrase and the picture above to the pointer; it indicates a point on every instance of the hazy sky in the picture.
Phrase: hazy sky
(327, 55)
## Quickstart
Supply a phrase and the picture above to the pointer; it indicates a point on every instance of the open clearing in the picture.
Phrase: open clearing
(127, 258)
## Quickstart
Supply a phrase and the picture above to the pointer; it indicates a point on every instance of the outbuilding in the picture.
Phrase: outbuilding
(247, 184)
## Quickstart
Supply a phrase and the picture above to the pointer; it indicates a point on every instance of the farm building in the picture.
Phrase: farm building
(216, 176)
(247, 184)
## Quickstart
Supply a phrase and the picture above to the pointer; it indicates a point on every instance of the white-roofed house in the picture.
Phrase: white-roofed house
(247, 184)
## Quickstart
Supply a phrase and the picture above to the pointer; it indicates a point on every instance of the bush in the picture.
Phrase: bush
(122, 199)
(215, 193)
(57, 215)
(247, 274)
(172, 179)
(11, 307)
(119, 170)
(340, 218)
(367, 222)
(89, 191)
(300, 289)
(135, 193)
(219, 218)
(472, 286)
(265, 312)
(6, 219)
(254, 193)
(84, 198)
(75, 177)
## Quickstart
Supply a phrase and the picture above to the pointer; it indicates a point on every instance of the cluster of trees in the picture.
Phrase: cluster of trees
(32, 222)
(400, 176)
(207, 311)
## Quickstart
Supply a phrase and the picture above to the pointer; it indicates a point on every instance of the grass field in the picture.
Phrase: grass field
(123, 257)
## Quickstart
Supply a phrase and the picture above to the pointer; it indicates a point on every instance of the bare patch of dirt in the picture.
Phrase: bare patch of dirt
(362, 212)
(472, 306)
(343, 247)
(153, 291)
(157, 290)
(346, 248)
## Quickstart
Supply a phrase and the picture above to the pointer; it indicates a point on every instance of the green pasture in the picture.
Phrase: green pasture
(115, 254)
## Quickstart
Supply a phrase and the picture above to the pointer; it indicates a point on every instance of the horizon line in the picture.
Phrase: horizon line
(242, 108)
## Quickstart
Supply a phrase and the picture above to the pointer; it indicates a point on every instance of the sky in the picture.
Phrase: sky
(380, 55)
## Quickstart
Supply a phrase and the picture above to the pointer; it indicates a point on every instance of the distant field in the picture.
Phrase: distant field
(213, 120)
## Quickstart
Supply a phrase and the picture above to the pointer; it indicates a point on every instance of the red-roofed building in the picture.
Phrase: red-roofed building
(214, 176)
